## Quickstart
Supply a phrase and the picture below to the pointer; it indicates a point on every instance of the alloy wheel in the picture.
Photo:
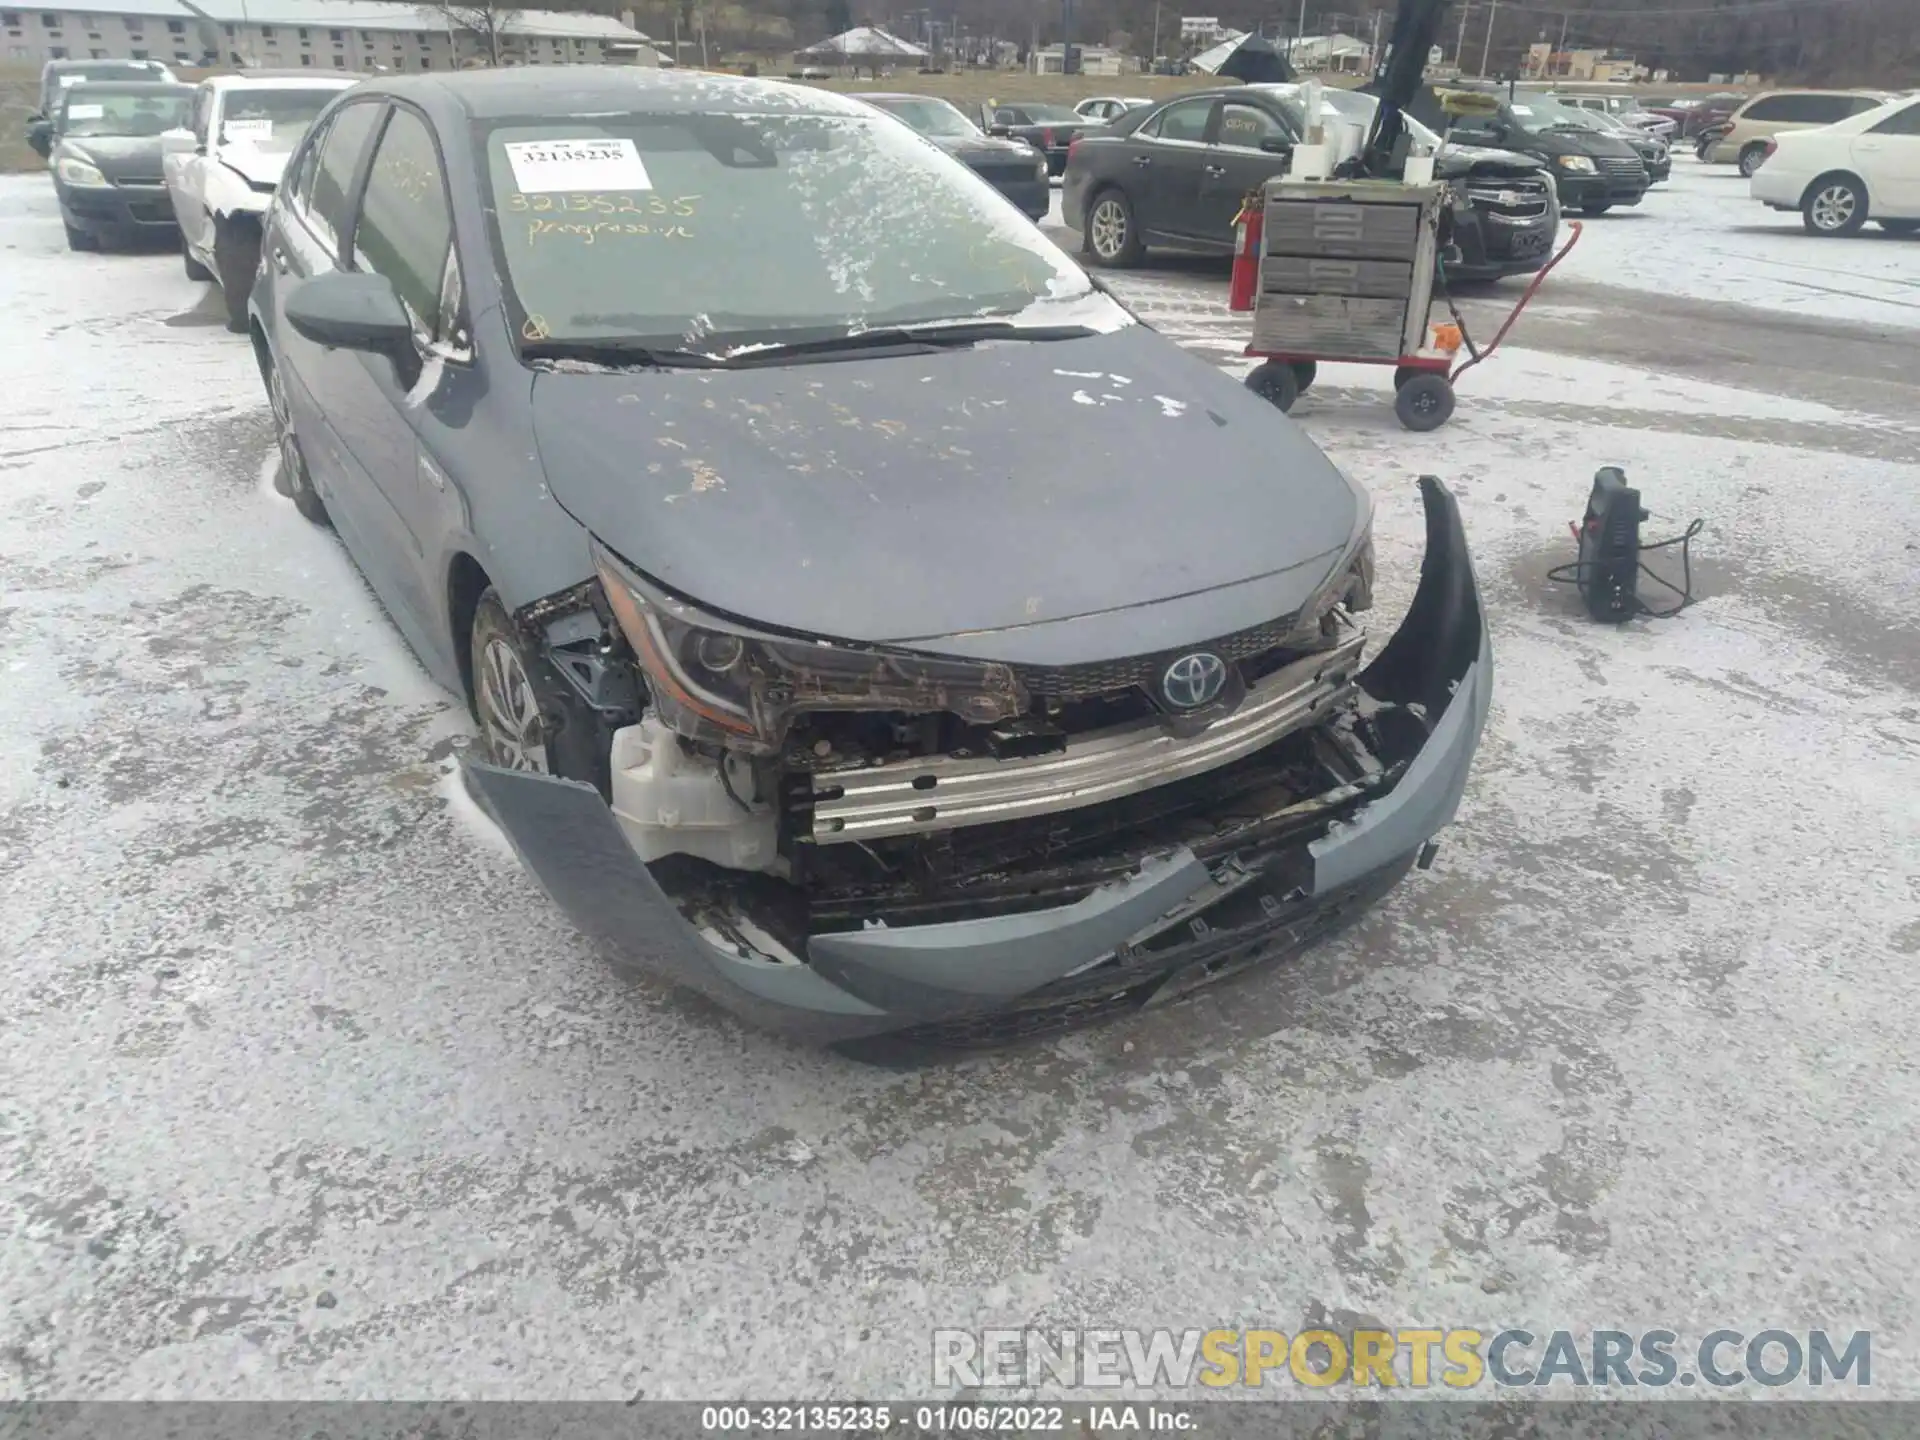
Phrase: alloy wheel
(1108, 229)
(1833, 208)
(509, 713)
(292, 468)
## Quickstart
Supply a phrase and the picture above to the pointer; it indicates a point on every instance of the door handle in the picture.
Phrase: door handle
(1216, 170)
(1143, 160)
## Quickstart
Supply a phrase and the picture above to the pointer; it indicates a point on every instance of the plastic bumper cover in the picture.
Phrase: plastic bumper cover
(1155, 925)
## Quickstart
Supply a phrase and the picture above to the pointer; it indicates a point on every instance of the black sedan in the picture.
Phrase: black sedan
(794, 516)
(106, 161)
(1008, 165)
(1050, 129)
(1174, 176)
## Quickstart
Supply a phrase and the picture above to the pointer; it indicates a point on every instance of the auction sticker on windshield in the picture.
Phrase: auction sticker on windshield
(86, 112)
(542, 165)
(248, 129)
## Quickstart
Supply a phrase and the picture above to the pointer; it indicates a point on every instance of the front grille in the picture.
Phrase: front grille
(1619, 168)
(1510, 199)
(1107, 677)
(135, 181)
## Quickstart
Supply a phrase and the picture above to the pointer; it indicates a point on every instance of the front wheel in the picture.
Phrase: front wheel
(236, 256)
(513, 728)
(1110, 235)
(1751, 159)
(1276, 382)
(81, 240)
(1425, 402)
(1596, 207)
(1835, 206)
(195, 270)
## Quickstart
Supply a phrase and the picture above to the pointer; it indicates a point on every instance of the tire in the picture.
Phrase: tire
(195, 270)
(1110, 217)
(236, 257)
(1304, 374)
(294, 481)
(1834, 205)
(81, 240)
(1899, 227)
(1425, 402)
(514, 725)
(1276, 382)
(1403, 373)
(1596, 207)
(1750, 159)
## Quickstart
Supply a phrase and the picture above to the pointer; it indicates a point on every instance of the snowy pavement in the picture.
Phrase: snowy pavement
(305, 1091)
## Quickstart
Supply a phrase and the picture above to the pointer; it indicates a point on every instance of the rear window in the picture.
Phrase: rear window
(270, 120)
(96, 110)
(709, 230)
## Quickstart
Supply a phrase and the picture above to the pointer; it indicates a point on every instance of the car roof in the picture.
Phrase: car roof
(133, 87)
(898, 95)
(1802, 90)
(582, 90)
(285, 79)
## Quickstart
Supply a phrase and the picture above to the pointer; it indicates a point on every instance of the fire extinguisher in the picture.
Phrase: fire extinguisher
(1249, 229)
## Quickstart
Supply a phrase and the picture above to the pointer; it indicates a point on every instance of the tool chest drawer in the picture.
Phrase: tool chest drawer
(1342, 229)
(1302, 275)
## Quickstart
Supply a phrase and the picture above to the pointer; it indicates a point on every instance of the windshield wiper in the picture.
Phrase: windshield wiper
(913, 339)
(630, 353)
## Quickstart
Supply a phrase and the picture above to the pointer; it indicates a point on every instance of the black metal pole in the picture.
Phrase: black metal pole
(1066, 37)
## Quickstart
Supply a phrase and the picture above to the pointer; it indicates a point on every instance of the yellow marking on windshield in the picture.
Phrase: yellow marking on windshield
(592, 231)
(581, 203)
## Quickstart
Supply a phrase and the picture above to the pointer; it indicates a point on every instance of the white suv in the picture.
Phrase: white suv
(222, 172)
(1841, 175)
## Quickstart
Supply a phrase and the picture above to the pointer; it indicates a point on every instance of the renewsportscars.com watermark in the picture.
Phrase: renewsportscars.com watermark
(1413, 1359)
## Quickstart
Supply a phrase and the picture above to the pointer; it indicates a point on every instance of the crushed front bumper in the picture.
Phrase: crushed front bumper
(1176, 921)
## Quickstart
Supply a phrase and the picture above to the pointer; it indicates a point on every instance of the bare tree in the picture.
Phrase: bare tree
(484, 22)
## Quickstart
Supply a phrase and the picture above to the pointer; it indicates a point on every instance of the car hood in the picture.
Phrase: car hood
(1454, 161)
(261, 167)
(1584, 142)
(1034, 502)
(979, 149)
(118, 157)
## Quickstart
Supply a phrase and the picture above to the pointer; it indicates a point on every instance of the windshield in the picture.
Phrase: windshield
(728, 230)
(270, 120)
(1353, 106)
(1539, 113)
(1049, 114)
(930, 116)
(95, 110)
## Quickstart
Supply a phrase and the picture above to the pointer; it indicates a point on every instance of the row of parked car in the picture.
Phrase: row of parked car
(719, 449)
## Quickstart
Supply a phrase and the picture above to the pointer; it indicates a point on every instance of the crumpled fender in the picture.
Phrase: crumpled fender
(228, 194)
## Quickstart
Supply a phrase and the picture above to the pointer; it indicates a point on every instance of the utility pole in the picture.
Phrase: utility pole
(1066, 37)
(1154, 54)
(1373, 47)
(1564, 20)
(1460, 49)
(1486, 56)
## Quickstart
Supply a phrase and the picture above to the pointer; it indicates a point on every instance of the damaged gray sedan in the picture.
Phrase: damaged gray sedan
(867, 621)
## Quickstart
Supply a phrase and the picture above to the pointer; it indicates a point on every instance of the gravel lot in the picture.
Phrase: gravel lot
(306, 1092)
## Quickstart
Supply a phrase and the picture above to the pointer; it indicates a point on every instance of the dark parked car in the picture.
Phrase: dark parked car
(796, 520)
(1174, 176)
(1050, 129)
(1653, 151)
(1593, 172)
(106, 161)
(57, 76)
(1008, 165)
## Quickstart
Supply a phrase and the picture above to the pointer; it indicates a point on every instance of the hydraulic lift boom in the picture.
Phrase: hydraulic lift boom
(1398, 81)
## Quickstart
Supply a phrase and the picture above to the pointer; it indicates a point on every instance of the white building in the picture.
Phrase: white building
(1094, 60)
(362, 35)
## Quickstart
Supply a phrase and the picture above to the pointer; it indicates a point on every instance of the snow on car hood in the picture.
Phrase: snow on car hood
(1034, 502)
(1453, 161)
(262, 167)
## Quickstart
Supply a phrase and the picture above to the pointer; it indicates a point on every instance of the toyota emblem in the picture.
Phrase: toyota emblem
(1193, 680)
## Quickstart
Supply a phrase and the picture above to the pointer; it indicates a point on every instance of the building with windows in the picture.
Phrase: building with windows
(362, 35)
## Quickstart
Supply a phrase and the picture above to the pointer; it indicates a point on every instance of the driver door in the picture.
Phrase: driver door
(1166, 159)
(186, 175)
(1251, 145)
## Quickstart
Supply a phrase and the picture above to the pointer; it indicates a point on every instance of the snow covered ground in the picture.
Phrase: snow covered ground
(305, 1092)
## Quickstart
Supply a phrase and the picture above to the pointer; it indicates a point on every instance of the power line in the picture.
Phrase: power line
(1717, 12)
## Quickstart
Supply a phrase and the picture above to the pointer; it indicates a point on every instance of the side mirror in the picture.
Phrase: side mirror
(1001, 130)
(349, 310)
(1277, 145)
(40, 136)
(178, 142)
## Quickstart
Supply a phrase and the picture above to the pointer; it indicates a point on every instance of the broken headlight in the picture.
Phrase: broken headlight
(719, 680)
(1349, 583)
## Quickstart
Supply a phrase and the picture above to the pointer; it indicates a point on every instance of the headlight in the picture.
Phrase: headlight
(1579, 164)
(717, 680)
(1349, 583)
(1040, 168)
(75, 171)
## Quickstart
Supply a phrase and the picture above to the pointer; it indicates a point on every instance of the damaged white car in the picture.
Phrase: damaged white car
(222, 169)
